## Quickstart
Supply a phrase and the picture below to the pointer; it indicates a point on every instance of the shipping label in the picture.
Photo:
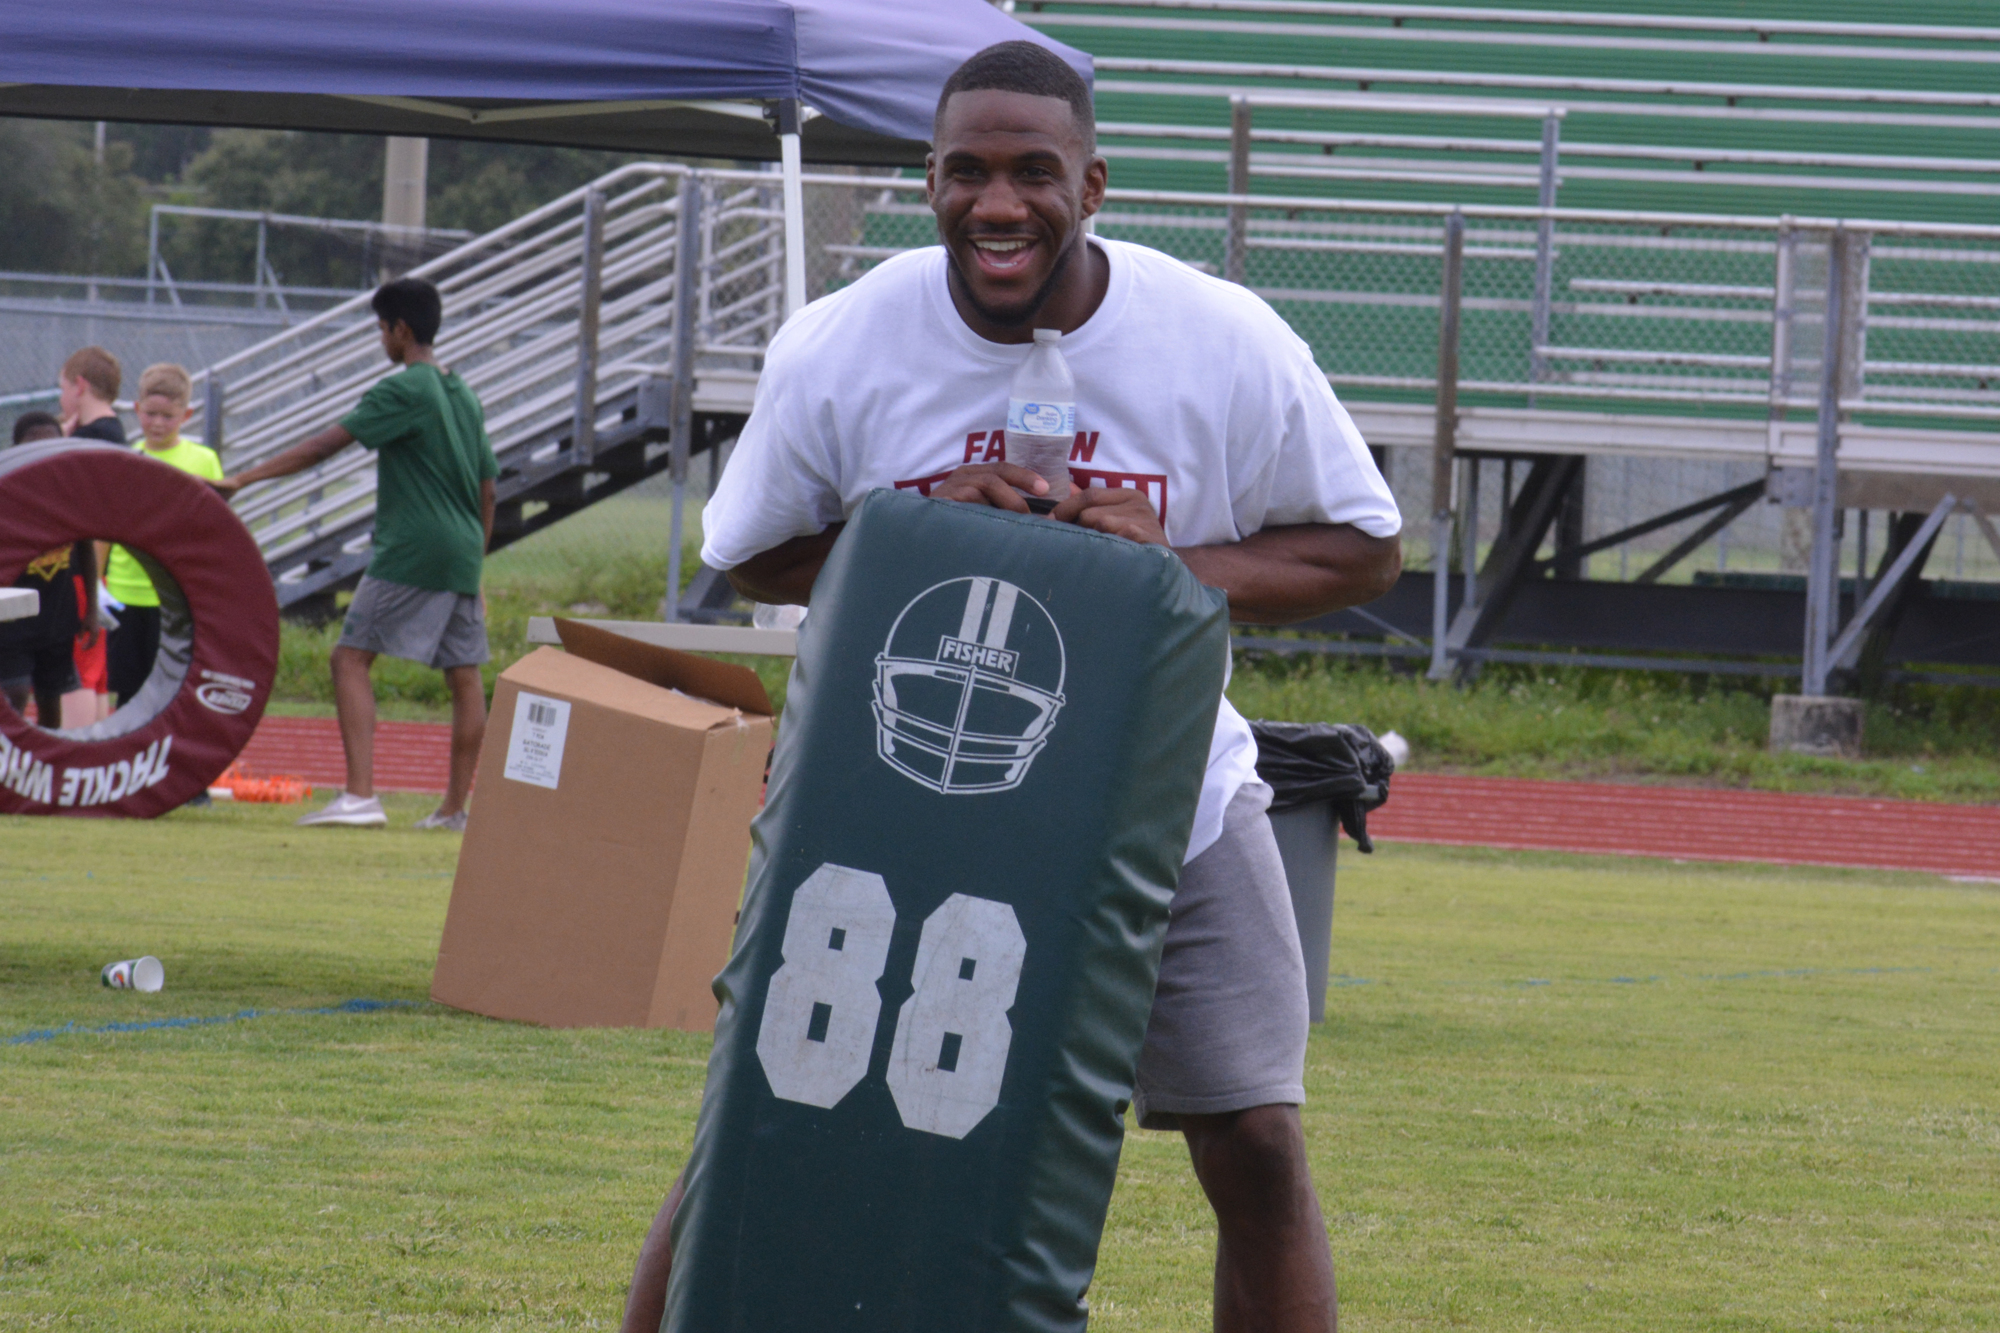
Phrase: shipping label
(535, 746)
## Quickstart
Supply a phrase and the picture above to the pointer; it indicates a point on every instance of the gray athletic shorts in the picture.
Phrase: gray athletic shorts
(435, 629)
(1229, 1023)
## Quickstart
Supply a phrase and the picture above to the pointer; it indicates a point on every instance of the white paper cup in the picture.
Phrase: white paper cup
(146, 974)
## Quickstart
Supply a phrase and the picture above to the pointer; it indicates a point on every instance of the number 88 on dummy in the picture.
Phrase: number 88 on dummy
(951, 1035)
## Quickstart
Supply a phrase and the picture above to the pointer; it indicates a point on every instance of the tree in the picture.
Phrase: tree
(473, 186)
(480, 186)
(59, 211)
(278, 171)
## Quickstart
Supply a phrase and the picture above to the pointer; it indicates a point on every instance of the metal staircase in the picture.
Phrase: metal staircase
(611, 335)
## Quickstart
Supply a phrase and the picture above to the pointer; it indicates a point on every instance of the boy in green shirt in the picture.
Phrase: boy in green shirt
(162, 409)
(420, 598)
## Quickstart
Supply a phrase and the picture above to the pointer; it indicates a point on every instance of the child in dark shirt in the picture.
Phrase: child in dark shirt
(37, 655)
(89, 382)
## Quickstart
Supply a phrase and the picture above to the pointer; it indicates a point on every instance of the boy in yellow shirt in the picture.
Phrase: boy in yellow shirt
(162, 409)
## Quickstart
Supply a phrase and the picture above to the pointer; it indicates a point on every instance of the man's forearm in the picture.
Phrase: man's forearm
(310, 453)
(1284, 575)
(1275, 577)
(786, 572)
(488, 503)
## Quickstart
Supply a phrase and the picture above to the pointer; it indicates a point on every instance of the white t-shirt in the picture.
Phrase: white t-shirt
(1187, 387)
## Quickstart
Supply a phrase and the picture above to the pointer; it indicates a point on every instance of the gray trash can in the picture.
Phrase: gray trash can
(1308, 841)
(1324, 776)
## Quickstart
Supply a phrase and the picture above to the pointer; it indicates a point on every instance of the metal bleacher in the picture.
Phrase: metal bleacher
(1652, 209)
(1522, 244)
(566, 324)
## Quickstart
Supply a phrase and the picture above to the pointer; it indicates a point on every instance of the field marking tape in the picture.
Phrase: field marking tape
(72, 1030)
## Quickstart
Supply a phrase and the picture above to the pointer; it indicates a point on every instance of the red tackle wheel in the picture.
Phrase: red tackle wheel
(218, 632)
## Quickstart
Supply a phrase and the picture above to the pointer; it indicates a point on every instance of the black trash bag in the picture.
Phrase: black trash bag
(1336, 762)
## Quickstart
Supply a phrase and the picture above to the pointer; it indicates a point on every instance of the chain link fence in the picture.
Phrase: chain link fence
(1654, 321)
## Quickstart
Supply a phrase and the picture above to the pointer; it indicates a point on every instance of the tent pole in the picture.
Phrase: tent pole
(789, 124)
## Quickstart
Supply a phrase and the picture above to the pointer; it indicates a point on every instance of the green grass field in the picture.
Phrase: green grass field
(1555, 1092)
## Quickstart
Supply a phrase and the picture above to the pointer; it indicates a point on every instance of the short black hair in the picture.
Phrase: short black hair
(28, 423)
(1023, 67)
(415, 303)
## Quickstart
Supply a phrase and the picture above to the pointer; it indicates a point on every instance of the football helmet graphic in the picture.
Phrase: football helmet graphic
(968, 686)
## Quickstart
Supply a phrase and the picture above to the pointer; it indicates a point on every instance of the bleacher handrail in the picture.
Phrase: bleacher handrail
(1538, 41)
(1524, 108)
(1547, 83)
(1570, 148)
(1755, 27)
(458, 254)
(1531, 213)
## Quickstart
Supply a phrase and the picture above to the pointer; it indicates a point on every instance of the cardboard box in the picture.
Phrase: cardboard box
(604, 859)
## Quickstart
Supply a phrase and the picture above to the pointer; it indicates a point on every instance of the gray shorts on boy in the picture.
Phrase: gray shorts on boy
(422, 625)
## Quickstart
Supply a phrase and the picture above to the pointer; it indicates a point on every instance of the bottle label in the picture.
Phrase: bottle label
(1027, 417)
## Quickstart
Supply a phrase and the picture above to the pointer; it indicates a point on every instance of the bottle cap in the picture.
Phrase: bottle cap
(1048, 337)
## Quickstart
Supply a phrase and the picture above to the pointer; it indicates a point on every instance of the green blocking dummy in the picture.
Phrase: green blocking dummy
(986, 773)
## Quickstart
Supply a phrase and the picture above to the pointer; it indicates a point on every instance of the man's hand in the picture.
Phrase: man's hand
(1118, 511)
(313, 451)
(996, 484)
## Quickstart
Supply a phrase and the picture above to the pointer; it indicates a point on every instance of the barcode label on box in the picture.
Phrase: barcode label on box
(535, 746)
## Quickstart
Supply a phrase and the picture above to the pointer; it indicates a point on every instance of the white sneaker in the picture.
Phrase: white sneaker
(438, 819)
(350, 811)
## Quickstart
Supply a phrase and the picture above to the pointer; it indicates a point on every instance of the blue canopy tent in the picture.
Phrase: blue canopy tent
(851, 81)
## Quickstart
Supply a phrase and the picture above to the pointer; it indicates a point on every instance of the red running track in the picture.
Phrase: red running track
(409, 756)
(1685, 823)
(1692, 823)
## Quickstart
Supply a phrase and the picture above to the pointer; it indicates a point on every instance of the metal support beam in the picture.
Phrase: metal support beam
(1848, 646)
(1512, 559)
(711, 600)
(1236, 254)
(1568, 561)
(405, 176)
(1545, 245)
(1854, 317)
(212, 408)
(1781, 317)
(792, 165)
(1986, 529)
(1823, 570)
(257, 270)
(1468, 531)
(1753, 490)
(583, 423)
(1871, 661)
(1444, 440)
(1862, 585)
(687, 295)
(1693, 541)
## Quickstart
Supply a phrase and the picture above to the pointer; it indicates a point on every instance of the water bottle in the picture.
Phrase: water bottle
(1041, 413)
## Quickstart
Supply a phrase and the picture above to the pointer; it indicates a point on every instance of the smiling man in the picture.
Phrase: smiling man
(1204, 426)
